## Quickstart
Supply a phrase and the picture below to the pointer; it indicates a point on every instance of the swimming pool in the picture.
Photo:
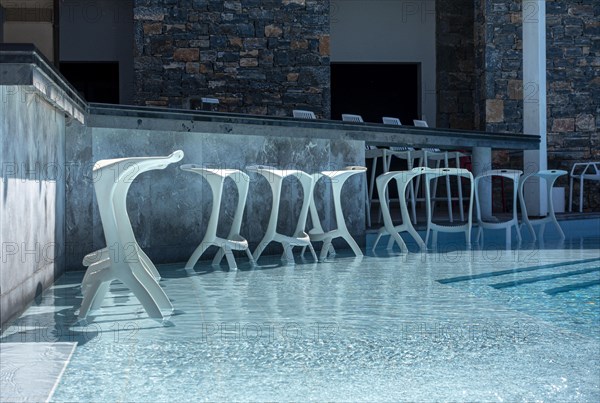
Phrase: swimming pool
(387, 327)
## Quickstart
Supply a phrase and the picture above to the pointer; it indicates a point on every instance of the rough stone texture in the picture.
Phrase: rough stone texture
(455, 61)
(573, 52)
(32, 197)
(245, 52)
(490, 33)
(498, 65)
(494, 110)
(79, 192)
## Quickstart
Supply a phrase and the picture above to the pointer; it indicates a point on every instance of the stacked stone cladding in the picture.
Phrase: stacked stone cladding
(573, 66)
(455, 59)
(499, 65)
(573, 52)
(256, 56)
(573, 75)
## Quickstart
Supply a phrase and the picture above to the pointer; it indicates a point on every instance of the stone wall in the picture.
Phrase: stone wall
(498, 66)
(490, 33)
(255, 56)
(455, 60)
(573, 43)
(573, 51)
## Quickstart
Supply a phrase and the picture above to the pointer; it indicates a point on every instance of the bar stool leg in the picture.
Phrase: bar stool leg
(460, 192)
(549, 185)
(581, 194)
(448, 193)
(570, 193)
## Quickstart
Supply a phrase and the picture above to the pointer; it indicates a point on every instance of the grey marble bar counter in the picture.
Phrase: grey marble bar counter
(375, 134)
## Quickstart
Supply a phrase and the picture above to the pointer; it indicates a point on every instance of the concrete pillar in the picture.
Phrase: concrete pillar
(482, 161)
(534, 100)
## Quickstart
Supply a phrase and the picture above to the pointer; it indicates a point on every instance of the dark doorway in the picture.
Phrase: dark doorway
(96, 81)
(374, 90)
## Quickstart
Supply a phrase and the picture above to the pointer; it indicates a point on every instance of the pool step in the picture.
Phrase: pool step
(515, 271)
(572, 287)
(531, 280)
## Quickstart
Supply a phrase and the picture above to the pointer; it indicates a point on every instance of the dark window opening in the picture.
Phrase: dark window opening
(96, 81)
(375, 90)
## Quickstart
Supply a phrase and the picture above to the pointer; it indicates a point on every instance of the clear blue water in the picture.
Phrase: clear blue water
(387, 327)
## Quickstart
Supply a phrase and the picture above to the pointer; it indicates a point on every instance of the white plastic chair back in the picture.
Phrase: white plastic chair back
(550, 176)
(466, 227)
(420, 123)
(303, 114)
(352, 118)
(582, 171)
(391, 121)
(513, 175)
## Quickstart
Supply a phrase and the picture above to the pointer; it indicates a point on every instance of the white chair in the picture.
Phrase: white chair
(403, 179)
(303, 114)
(466, 227)
(316, 234)
(371, 152)
(123, 259)
(411, 156)
(346, 117)
(582, 171)
(408, 154)
(391, 121)
(513, 175)
(549, 176)
(275, 179)
(234, 241)
(437, 156)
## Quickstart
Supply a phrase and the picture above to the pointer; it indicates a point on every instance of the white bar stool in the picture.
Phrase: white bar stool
(549, 176)
(438, 156)
(275, 179)
(371, 152)
(466, 227)
(403, 179)
(408, 154)
(589, 171)
(513, 175)
(123, 259)
(234, 241)
(337, 179)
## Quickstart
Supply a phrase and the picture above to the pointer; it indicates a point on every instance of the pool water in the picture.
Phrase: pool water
(385, 327)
